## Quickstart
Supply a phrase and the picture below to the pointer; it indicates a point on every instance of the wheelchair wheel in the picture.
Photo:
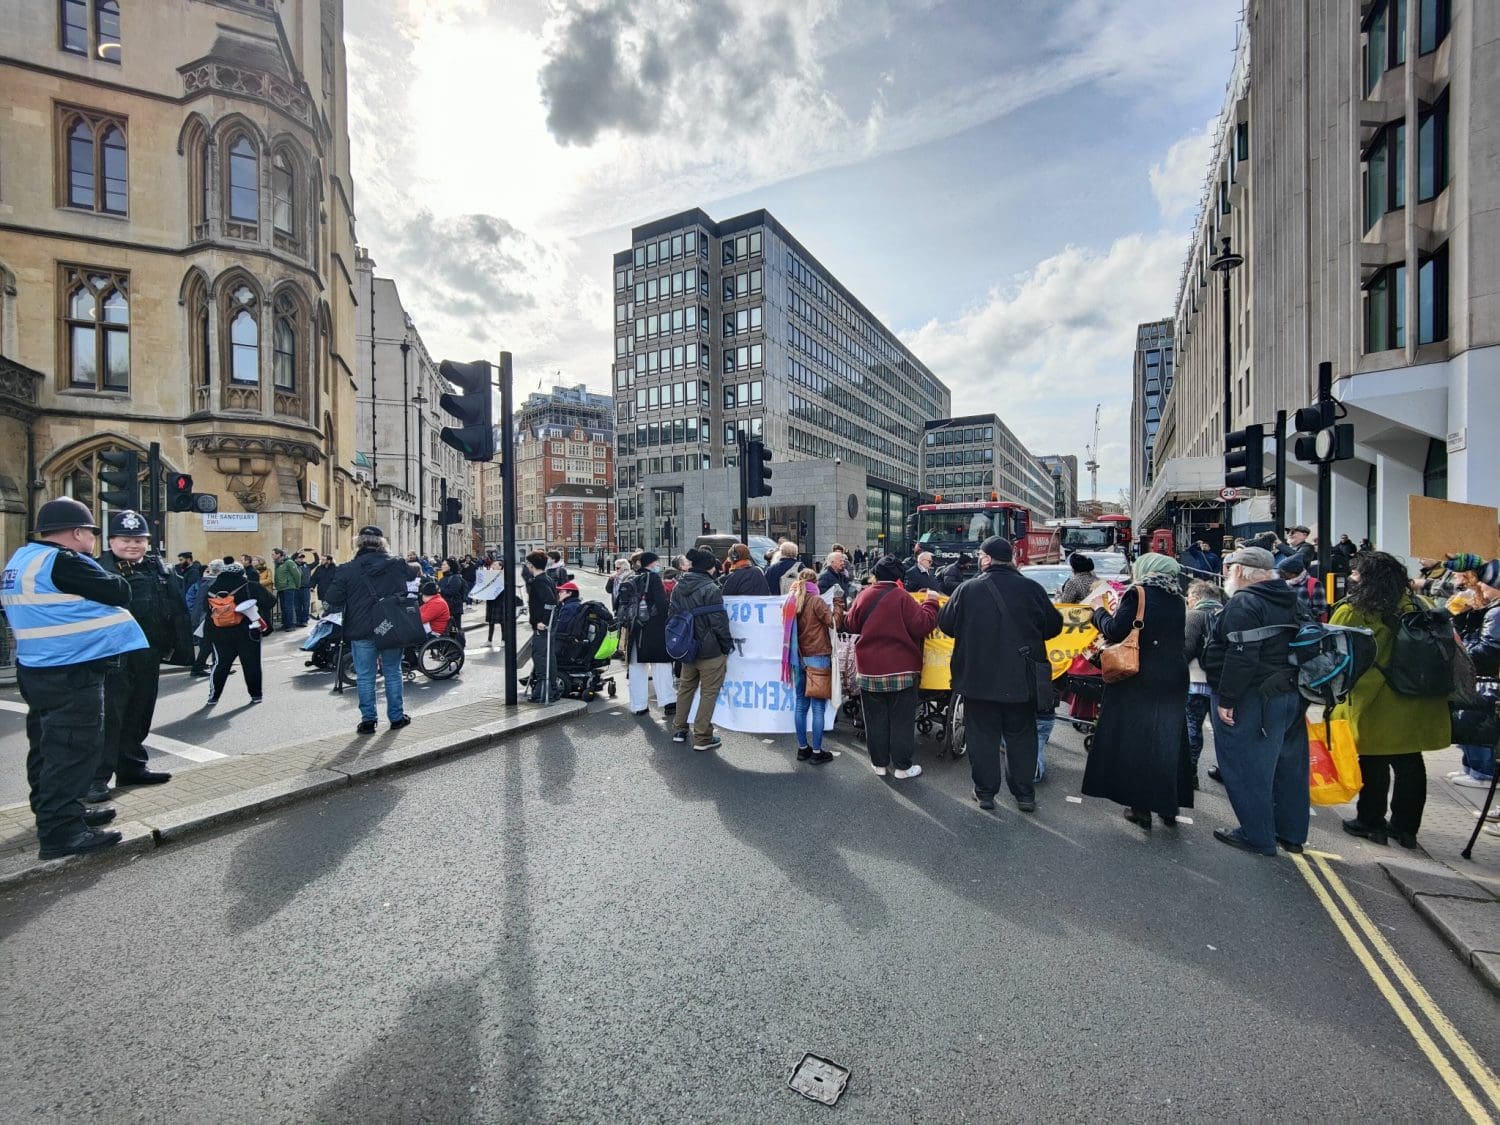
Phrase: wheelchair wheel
(346, 670)
(955, 729)
(440, 658)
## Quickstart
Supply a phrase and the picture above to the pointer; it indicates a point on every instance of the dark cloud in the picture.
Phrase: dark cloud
(608, 69)
(474, 265)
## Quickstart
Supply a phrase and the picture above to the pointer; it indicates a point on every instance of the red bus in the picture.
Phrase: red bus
(949, 530)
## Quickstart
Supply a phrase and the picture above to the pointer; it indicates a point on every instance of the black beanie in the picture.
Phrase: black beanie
(1081, 563)
(889, 569)
(998, 549)
(702, 560)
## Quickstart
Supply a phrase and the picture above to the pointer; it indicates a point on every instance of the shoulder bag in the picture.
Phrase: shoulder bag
(398, 622)
(1121, 661)
(1040, 687)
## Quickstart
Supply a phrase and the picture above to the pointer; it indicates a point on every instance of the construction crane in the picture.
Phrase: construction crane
(1092, 464)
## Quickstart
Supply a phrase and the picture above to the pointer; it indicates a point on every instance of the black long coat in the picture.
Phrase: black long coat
(648, 642)
(1140, 757)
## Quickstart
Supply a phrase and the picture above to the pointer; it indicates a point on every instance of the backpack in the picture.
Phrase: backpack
(628, 597)
(221, 611)
(682, 631)
(1422, 654)
(1329, 659)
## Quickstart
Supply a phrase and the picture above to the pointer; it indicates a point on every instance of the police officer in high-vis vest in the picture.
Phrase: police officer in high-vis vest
(130, 688)
(71, 625)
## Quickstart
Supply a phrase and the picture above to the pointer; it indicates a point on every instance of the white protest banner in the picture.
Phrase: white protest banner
(753, 698)
(488, 585)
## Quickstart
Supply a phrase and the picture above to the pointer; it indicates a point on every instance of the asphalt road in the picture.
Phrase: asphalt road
(595, 924)
(300, 704)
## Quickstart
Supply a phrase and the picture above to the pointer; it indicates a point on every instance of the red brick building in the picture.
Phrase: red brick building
(580, 520)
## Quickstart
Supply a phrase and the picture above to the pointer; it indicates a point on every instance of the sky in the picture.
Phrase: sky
(1008, 184)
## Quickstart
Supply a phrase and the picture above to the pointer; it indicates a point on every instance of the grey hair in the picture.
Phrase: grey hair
(372, 543)
(214, 569)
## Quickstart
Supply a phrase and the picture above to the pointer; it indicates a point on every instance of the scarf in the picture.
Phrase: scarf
(741, 565)
(1160, 571)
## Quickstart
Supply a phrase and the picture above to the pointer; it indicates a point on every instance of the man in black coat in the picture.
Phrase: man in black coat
(921, 576)
(356, 590)
(541, 605)
(836, 576)
(1000, 623)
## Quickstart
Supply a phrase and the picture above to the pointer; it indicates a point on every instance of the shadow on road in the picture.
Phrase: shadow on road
(268, 868)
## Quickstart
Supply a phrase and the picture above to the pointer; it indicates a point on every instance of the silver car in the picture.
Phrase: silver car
(1051, 577)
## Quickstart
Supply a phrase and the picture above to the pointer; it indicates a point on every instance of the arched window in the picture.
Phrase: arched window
(283, 196)
(244, 337)
(244, 181)
(97, 173)
(96, 318)
(195, 300)
(284, 342)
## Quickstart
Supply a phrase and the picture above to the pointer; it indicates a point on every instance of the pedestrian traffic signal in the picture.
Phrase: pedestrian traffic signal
(1321, 437)
(120, 478)
(180, 493)
(1245, 458)
(474, 407)
(453, 512)
(758, 471)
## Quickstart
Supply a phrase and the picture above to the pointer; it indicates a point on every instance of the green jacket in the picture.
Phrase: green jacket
(288, 575)
(1382, 721)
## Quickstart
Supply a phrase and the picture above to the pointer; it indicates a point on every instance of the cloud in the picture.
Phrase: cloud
(1043, 350)
(1177, 180)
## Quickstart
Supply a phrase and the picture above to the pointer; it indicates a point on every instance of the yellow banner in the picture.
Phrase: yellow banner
(1077, 634)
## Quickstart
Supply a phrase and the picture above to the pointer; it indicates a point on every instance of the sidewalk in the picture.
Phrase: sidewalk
(1459, 898)
(205, 796)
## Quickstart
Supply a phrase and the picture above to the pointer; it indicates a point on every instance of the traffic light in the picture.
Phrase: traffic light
(453, 512)
(1245, 458)
(180, 493)
(1321, 436)
(120, 478)
(758, 470)
(474, 407)
(706, 528)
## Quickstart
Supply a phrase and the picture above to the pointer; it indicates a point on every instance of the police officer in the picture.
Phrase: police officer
(130, 688)
(70, 624)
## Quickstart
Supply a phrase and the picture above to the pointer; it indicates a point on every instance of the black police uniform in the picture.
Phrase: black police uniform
(130, 690)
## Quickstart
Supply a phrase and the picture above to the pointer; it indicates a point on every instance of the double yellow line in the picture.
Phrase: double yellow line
(1460, 1066)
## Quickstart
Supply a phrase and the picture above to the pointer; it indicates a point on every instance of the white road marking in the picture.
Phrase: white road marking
(183, 749)
(1184, 820)
(1075, 800)
(18, 708)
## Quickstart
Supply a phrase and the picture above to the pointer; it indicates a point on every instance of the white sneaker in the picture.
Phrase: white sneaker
(1471, 782)
(915, 771)
(880, 771)
(1451, 774)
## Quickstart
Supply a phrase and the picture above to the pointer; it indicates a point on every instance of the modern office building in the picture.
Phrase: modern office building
(398, 421)
(177, 264)
(565, 442)
(1063, 468)
(977, 457)
(734, 328)
(1151, 383)
(1369, 135)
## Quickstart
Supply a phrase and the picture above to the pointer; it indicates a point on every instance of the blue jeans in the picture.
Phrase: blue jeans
(365, 656)
(817, 707)
(1479, 761)
(304, 605)
(1263, 761)
(287, 600)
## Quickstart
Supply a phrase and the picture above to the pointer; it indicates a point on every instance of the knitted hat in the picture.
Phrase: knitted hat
(1465, 562)
(998, 549)
(649, 557)
(1080, 563)
(1489, 574)
(702, 560)
(889, 569)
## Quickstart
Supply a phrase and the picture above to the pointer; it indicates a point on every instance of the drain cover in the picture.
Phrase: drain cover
(820, 1079)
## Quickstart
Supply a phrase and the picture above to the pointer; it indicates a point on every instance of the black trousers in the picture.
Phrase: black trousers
(1407, 797)
(129, 707)
(990, 722)
(890, 726)
(236, 643)
(64, 733)
(203, 648)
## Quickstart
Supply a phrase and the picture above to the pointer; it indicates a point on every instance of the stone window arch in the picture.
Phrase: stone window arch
(240, 342)
(291, 353)
(241, 159)
(289, 197)
(95, 172)
(196, 306)
(75, 472)
(96, 329)
(197, 146)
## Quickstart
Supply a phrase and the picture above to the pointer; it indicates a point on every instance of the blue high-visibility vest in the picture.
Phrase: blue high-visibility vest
(52, 628)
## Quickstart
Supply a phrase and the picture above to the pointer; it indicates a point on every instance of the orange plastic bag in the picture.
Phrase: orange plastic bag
(1333, 762)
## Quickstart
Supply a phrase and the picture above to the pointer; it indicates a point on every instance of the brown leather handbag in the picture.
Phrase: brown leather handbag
(1121, 661)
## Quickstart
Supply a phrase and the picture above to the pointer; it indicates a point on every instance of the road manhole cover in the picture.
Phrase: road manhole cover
(820, 1079)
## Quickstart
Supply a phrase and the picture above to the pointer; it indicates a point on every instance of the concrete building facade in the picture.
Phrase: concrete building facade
(1371, 228)
(1150, 386)
(177, 264)
(734, 328)
(977, 457)
(398, 421)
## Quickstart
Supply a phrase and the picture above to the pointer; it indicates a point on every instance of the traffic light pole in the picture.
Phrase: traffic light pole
(153, 498)
(1280, 493)
(508, 528)
(743, 461)
(1325, 481)
(443, 512)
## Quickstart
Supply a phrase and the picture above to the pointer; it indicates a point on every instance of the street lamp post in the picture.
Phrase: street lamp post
(420, 400)
(406, 413)
(1226, 263)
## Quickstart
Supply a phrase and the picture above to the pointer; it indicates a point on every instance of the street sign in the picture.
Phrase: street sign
(232, 521)
(1236, 493)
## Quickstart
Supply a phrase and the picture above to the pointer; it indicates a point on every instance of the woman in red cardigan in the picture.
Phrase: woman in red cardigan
(888, 658)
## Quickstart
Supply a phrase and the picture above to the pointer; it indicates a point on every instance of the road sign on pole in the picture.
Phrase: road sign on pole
(1236, 493)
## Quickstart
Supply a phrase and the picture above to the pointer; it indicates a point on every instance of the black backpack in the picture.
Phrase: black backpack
(1328, 659)
(1423, 653)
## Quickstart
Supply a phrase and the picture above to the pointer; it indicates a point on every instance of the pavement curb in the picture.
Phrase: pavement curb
(1465, 914)
(146, 834)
